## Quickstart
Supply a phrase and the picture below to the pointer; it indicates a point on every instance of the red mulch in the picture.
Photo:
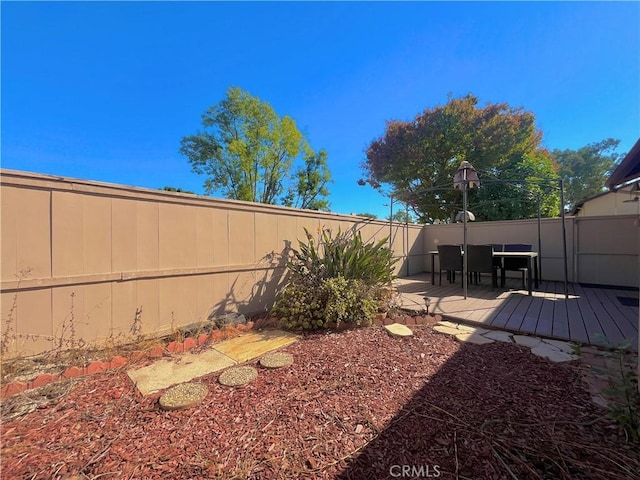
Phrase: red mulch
(354, 405)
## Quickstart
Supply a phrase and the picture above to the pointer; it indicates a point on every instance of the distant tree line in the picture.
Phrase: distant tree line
(246, 151)
(417, 159)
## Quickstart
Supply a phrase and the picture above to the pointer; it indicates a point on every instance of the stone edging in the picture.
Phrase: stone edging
(158, 351)
(119, 361)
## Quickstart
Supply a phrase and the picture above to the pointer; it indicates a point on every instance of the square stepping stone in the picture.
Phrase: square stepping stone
(446, 329)
(253, 345)
(499, 335)
(527, 341)
(553, 354)
(471, 329)
(473, 338)
(167, 372)
(565, 347)
(447, 323)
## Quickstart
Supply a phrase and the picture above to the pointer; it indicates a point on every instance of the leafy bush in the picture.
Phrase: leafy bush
(339, 279)
(337, 300)
(346, 255)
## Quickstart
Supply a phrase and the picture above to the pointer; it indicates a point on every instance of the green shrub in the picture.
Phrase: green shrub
(346, 255)
(336, 300)
(339, 279)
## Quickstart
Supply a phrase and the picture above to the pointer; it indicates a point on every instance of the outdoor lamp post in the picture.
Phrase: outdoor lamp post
(465, 177)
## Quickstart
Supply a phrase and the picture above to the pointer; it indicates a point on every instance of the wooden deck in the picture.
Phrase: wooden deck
(593, 316)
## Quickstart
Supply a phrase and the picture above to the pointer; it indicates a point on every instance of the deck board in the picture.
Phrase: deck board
(590, 315)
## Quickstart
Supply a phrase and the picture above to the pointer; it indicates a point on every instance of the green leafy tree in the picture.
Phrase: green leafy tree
(372, 216)
(585, 170)
(402, 216)
(520, 187)
(310, 190)
(418, 158)
(248, 152)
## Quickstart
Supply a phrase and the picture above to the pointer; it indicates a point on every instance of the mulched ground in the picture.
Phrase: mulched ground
(355, 405)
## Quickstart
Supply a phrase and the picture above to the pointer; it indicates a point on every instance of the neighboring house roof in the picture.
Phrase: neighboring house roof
(627, 171)
(616, 202)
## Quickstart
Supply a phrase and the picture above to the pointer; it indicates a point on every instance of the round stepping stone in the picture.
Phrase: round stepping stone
(236, 376)
(398, 330)
(276, 360)
(185, 395)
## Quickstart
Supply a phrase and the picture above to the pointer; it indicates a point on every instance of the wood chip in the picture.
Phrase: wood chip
(485, 411)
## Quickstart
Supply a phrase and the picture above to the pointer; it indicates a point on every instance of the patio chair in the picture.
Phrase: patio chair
(515, 264)
(480, 260)
(450, 257)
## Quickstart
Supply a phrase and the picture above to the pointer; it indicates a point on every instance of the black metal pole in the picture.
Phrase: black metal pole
(406, 246)
(539, 241)
(391, 224)
(465, 253)
(564, 241)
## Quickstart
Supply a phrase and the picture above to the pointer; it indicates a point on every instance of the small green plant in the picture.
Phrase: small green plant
(624, 405)
(576, 348)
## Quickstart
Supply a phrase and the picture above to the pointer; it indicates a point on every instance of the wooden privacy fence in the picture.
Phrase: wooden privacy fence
(600, 250)
(95, 260)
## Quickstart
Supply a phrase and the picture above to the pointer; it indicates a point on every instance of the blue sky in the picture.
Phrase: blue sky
(106, 90)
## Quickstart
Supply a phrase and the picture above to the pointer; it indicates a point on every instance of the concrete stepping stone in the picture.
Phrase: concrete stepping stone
(253, 345)
(398, 330)
(276, 360)
(565, 347)
(473, 338)
(447, 329)
(185, 395)
(527, 341)
(447, 323)
(167, 372)
(499, 335)
(553, 354)
(237, 376)
(471, 329)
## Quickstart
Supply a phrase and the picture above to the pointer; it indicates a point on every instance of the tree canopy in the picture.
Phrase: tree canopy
(418, 159)
(586, 170)
(248, 152)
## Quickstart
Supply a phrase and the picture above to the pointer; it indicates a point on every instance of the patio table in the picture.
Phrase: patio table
(531, 257)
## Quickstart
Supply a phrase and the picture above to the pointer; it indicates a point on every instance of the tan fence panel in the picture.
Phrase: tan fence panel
(607, 250)
(100, 260)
